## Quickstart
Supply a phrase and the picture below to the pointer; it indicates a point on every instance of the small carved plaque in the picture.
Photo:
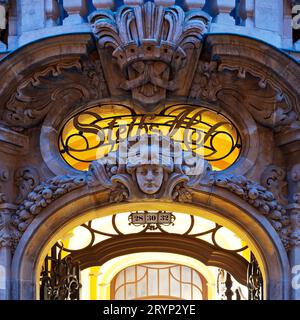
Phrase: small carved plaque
(149, 218)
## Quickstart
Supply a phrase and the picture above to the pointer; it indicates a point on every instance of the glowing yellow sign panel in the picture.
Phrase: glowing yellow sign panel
(96, 131)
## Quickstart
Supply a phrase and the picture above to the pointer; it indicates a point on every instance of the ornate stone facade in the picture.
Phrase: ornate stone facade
(149, 56)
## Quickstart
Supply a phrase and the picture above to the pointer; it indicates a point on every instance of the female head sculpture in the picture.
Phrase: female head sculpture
(150, 160)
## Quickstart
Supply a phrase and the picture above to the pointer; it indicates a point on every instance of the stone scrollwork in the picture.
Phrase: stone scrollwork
(3, 197)
(294, 206)
(274, 180)
(26, 179)
(232, 85)
(295, 238)
(5, 232)
(9, 235)
(295, 177)
(207, 82)
(151, 44)
(66, 82)
(4, 174)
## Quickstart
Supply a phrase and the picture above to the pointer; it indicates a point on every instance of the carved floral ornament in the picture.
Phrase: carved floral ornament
(171, 175)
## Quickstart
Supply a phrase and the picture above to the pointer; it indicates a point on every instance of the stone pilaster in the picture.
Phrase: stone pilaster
(289, 141)
(294, 211)
(6, 245)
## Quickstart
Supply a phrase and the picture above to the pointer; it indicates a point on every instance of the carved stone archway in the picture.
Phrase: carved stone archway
(216, 204)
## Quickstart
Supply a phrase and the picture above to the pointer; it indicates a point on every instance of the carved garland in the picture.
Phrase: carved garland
(260, 198)
(42, 195)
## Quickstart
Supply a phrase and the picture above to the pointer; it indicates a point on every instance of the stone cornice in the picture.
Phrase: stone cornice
(13, 142)
(289, 140)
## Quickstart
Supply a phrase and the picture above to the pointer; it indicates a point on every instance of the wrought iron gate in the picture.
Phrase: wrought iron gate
(60, 277)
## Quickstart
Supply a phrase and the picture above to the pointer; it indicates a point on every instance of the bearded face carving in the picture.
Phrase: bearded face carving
(149, 178)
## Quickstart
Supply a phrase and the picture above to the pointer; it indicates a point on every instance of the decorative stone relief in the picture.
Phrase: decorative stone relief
(72, 82)
(230, 85)
(44, 194)
(295, 177)
(294, 206)
(260, 198)
(135, 175)
(3, 197)
(9, 235)
(4, 174)
(151, 45)
(295, 238)
(26, 179)
(274, 180)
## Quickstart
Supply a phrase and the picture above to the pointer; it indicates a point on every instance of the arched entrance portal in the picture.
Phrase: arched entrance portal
(76, 210)
(94, 245)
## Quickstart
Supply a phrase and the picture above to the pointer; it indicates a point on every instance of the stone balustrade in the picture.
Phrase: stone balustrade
(30, 20)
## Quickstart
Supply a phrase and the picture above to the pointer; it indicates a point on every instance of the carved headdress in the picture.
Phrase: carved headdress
(153, 149)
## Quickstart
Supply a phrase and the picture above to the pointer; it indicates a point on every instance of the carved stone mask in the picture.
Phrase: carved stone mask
(149, 178)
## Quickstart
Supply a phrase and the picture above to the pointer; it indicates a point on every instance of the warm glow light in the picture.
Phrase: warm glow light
(96, 131)
(80, 237)
(108, 271)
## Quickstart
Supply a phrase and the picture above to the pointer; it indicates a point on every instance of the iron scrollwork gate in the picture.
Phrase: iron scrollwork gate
(255, 280)
(60, 277)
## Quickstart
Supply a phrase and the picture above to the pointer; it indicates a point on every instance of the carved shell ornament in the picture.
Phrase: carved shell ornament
(150, 44)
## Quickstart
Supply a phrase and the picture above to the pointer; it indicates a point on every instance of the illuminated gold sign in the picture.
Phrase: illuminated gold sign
(96, 131)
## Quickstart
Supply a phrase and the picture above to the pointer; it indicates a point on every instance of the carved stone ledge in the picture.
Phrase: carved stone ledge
(289, 140)
(12, 142)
